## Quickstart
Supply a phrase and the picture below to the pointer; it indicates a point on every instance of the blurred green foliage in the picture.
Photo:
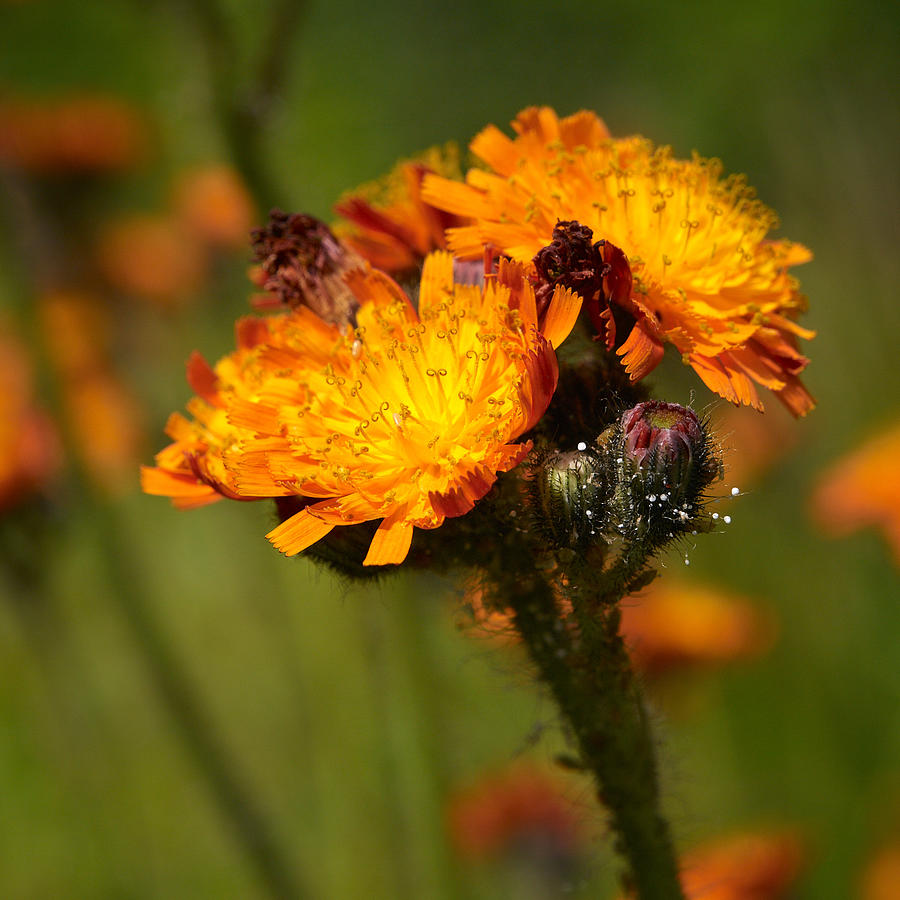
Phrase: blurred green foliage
(347, 714)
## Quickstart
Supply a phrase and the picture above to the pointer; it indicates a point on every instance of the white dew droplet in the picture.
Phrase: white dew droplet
(715, 515)
(582, 445)
(652, 498)
(398, 419)
(687, 562)
(588, 512)
(663, 497)
(726, 520)
(356, 348)
(735, 491)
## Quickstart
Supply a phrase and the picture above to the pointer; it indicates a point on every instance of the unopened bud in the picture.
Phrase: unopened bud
(666, 462)
(568, 496)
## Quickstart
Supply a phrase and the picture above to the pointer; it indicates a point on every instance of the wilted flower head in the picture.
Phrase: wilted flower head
(406, 417)
(706, 278)
(303, 264)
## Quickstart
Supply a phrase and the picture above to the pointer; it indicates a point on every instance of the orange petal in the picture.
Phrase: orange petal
(163, 483)
(202, 379)
(391, 542)
(796, 397)
(561, 315)
(454, 197)
(641, 353)
(298, 532)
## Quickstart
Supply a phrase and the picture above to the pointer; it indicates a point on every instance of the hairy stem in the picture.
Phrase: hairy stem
(590, 675)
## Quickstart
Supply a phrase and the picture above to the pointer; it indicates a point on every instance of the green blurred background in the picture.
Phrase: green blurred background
(185, 713)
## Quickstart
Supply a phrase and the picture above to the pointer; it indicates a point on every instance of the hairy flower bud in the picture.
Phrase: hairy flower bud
(666, 462)
(568, 497)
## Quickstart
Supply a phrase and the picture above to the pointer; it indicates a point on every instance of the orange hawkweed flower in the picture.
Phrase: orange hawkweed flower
(153, 257)
(704, 276)
(388, 223)
(523, 807)
(664, 626)
(30, 452)
(104, 416)
(862, 489)
(406, 417)
(214, 204)
(881, 876)
(748, 866)
(670, 624)
(78, 134)
(751, 865)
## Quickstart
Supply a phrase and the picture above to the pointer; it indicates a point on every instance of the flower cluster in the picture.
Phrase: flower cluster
(360, 401)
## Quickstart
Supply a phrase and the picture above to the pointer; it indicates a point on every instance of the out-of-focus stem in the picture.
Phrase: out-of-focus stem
(244, 106)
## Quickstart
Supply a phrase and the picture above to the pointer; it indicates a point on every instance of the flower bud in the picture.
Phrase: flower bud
(567, 493)
(666, 461)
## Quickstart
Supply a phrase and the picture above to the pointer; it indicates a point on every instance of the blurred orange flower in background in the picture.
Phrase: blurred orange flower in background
(523, 807)
(673, 622)
(752, 443)
(881, 877)
(102, 413)
(213, 203)
(704, 275)
(30, 451)
(749, 866)
(165, 257)
(153, 257)
(79, 134)
(863, 489)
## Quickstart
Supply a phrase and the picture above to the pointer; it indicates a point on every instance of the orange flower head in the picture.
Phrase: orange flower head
(388, 223)
(30, 452)
(105, 419)
(704, 277)
(671, 624)
(153, 257)
(748, 866)
(78, 134)
(406, 417)
(881, 877)
(760, 865)
(522, 806)
(215, 205)
(864, 489)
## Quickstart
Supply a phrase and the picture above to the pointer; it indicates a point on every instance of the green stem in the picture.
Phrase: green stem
(590, 676)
